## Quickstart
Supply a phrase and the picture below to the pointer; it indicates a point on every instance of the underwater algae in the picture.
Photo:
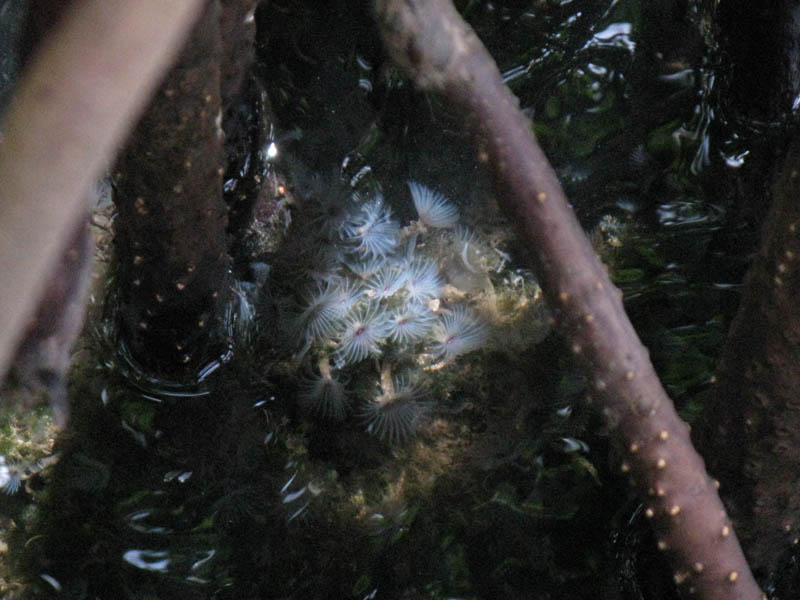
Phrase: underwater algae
(269, 461)
(187, 485)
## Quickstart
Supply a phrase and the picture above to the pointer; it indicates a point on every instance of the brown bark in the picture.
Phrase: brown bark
(238, 31)
(42, 360)
(764, 76)
(174, 271)
(442, 54)
(40, 18)
(751, 425)
(59, 132)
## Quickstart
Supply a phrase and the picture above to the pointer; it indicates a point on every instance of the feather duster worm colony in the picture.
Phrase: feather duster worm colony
(386, 306)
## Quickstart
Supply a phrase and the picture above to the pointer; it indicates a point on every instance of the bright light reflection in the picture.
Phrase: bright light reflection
(616, 34)
(148, 560)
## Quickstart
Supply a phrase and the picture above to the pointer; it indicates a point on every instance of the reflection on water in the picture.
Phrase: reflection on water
(614, 35)
(224, 487)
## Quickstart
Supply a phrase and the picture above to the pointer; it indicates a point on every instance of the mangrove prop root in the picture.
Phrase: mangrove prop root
(77, 99)
(174, 270)
(42, 360)
(442, 54)
(751, 424)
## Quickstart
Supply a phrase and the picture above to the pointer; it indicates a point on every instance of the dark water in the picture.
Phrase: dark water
(228, 488)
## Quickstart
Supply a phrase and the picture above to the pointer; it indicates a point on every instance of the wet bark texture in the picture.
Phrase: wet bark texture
(238, 31)
(42, 359)
(245, 120)
(59, 133)
(751, 427)
(430, 41)
(761, 41)
(170, 234)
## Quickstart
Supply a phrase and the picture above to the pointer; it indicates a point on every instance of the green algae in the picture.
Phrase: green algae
(225, 488)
